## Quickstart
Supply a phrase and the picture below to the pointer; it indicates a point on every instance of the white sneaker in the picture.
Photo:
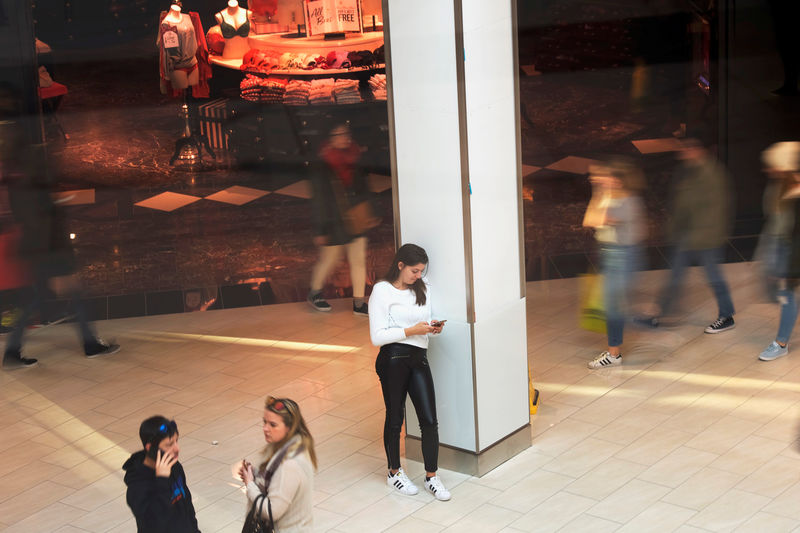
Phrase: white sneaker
(605, 359)
(435, 487)
(400, 482)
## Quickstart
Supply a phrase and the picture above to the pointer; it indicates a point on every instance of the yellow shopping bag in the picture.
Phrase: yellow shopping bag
(592, 314)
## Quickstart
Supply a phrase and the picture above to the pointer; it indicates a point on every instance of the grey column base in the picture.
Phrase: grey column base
(474, 464)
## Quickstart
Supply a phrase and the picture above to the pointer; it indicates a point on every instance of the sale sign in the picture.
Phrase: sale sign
(333, 16)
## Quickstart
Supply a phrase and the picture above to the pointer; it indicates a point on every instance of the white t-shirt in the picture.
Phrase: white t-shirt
(391, 310)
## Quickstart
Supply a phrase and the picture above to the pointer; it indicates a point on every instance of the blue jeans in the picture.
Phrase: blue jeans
(618, 264)
(788, 314)
(709, 259)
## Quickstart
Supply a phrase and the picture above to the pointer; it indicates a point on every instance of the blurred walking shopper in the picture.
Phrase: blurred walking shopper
(781, 163)
(700, 221)
(285, 476)
(400, 322)
(341, 215)
(616, 211)
(44, 243)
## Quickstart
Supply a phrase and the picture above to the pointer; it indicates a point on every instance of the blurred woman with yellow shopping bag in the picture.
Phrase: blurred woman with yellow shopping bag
(616, 212)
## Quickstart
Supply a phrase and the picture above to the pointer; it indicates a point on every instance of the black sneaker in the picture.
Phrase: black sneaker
(316, 301)
(98, 347)
(646, 321)
(361, 310)
(721, 324)
(13, 359)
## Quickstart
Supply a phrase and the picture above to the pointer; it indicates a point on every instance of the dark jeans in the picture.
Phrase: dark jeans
(403, 370)
(39, 290)
(710, 260)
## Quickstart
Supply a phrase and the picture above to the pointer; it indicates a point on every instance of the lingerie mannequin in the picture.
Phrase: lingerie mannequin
(179, 45)
(234, 23)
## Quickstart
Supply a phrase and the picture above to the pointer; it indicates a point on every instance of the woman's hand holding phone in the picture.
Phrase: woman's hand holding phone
(437, 326)
(420, 328)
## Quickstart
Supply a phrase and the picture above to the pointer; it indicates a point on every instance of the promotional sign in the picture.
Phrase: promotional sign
(333, 16)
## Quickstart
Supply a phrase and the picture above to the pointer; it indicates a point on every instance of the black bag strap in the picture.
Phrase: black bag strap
(259, 501)
(269, 510)
(274, 466)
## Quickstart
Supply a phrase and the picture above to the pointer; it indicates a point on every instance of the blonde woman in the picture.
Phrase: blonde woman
(289, 456)
(617, 214)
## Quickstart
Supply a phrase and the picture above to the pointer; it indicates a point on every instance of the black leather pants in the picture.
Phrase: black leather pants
(403, 369)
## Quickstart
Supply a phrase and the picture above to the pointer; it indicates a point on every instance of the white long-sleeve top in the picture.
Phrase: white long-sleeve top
(391, 310)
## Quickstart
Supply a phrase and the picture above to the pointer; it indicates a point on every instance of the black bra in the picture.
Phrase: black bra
(228, 31)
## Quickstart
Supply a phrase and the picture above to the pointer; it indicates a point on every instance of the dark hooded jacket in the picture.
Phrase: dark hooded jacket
(160, 505)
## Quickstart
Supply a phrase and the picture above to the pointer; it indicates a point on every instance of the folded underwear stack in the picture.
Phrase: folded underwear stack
(321, 91)
(378, 85)
(346, 92)
(267, 90)
(297, 92)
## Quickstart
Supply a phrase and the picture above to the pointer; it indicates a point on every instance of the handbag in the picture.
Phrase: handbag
(255, 522)
(358, 219)
(591, 315)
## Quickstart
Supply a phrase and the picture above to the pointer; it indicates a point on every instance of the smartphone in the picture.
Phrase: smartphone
(438, 323)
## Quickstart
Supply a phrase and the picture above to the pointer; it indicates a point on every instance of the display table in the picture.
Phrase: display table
(317, 45)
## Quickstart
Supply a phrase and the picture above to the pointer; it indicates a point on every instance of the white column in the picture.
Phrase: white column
(453, 104)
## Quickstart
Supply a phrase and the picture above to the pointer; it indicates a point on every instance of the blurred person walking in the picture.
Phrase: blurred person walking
(44, 239)
(341, 215)
(781, 163)
(285, 476)
(700, 221)
(616, 211)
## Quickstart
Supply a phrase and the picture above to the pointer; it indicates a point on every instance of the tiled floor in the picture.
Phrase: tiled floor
(691, 434)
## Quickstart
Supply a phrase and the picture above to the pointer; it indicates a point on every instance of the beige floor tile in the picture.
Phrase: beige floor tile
(104, 517)
(631, 426)
(605, 478)
(563, 436)
(531, 491)
(786, 503)
(26, 476)
(628, 501)
(98, 493)
(730, 511)
(466, 497)
(703, 488)
(381, 515)
(554, 513)
(49, 518)
(657, 518)
(723, 435)
(773, 478)
(32, 500)
(678, 466)
(653, 445)
(346, 472)
(590, 524)
(514, 470)
(768, 522)
(582, 457)
(486, 518)
(358, 496)
(548, 414)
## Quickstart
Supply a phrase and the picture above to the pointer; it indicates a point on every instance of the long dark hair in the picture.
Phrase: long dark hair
(409, 254)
